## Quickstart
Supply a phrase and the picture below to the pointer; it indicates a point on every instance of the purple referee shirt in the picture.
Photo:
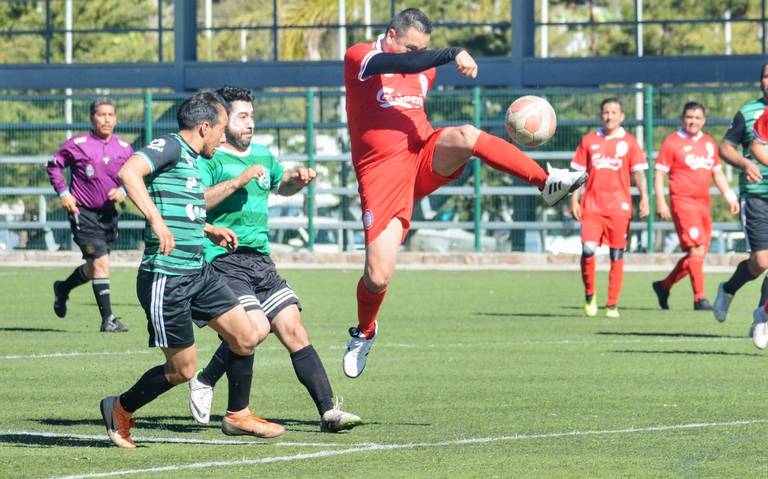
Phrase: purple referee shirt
(94, 164)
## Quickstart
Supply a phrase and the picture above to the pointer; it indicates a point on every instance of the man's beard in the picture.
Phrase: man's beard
(237, 141)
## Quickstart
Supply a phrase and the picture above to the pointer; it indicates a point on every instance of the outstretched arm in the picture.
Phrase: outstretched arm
(215, 194)
(418, 61)
(294, 181)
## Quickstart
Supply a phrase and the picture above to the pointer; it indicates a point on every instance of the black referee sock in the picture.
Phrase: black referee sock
(216, 367)
(74, 280)
(739, 278)
(152, 384)
(239, 376)
(311, 373)
(101, 292)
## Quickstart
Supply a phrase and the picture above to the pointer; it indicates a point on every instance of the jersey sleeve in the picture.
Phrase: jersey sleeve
(162, 153)
(666, 156)
(760, 129)
(208, 172)
(56, 165)
(637, 161)
(580, 156)
(356, 60)
(736, 131)
(276, 172)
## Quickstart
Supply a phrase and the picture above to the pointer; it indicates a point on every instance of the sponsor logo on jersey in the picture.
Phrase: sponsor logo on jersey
(157, 145)
(192, 183)
(80, 139)
(600, 162)
(194, 212)
(387, 98)
(696, 162)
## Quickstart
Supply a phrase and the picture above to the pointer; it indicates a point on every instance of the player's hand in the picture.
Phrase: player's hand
(466, 64)
(303, 176)
(116, 195)
(752, 172)
(69, 203)
(253, 171)
(576, 211)
(643, 208)
(663, 209)
(734, 207)
(223, 237)
(167, 243)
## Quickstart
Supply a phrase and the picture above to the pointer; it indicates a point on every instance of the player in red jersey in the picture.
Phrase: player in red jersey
(611, 156)
(398, 156)
(691, 159)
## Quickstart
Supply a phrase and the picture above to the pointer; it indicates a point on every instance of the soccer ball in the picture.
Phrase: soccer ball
(530, 121)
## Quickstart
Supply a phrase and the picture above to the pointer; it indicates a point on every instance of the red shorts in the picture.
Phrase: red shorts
(605, 230)
(693, 224)
(389, 188)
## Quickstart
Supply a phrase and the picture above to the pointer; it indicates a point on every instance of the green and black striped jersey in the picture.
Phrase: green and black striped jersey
(740, 134)
(176, 188)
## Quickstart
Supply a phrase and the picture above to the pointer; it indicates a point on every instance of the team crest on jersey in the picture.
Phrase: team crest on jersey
(89, 171)
(694, 232)
(157, 144)
(622, 148)
(367, 219)
(387, 98)
(264, 180)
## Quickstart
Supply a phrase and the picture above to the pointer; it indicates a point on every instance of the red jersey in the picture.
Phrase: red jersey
(385, 113)
(690, 162)
(608, 160)
(760, 129)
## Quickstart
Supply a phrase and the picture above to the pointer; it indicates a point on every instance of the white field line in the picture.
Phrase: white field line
(563, 342)
(391, 447)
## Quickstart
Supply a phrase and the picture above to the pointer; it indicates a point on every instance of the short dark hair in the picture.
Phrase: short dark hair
(200, 108)
(693, 105)
(410, 18)
(613, 99)
(235, 93)
(102, 100)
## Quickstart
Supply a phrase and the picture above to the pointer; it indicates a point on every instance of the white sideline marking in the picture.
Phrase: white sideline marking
(390, 447)
(174, 440)
(396, 345)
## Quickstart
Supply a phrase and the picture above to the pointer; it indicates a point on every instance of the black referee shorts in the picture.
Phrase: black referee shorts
(171, 303)
(94, 231)
(253, 278)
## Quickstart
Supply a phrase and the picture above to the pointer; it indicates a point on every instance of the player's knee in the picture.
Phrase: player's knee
(760, 260)
(588, 249)
(377, 281)
(616, 254)
(181, 373)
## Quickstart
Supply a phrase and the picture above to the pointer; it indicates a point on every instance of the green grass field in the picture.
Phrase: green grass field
(474, 374)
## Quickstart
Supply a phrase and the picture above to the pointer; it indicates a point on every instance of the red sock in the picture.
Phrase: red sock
(615, 278)
(367, 308)
(696, 265)
(679, 272)
(588, 274)
(505, 157)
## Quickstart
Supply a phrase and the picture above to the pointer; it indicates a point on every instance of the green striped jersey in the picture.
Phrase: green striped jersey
(176, 188)
(246, 211)
(740, 134)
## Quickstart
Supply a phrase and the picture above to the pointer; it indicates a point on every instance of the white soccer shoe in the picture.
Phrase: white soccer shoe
(200, 400)
(560, 182)
(759, 330)
(335, 420)
(722, 303)
(357, 352)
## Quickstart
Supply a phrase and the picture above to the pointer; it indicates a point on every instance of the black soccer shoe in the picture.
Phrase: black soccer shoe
(662, 294)
(59, 300)
(113, 325)
(702, 305)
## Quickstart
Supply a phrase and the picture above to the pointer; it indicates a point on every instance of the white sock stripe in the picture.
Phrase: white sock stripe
(101, 281)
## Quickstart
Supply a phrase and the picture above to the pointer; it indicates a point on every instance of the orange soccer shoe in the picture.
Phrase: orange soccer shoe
(118, 422)
(246, 423)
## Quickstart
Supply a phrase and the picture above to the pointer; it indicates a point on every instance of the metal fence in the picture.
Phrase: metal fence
(482, 210)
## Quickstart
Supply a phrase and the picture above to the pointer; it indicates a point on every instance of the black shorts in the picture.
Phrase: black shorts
(754, 217)
(253, 278)
(172, 302)
(94, 231)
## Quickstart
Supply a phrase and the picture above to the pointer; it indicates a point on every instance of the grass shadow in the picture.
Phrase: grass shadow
(529, 315)
(668, 335)
(32, 330)
(176, 424)
(26, 440)
(686, 352)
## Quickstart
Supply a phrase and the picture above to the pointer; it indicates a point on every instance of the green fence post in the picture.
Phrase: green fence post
(648, 121)
(476, 113)
(310, 146)
(147, 117)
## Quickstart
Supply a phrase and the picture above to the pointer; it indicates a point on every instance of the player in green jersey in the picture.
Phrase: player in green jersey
(239, 179)
(175, 285)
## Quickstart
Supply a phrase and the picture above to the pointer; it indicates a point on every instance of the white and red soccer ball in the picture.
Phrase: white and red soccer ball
(530, 121)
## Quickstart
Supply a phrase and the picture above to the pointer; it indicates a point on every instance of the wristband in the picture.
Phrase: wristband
(730, 196)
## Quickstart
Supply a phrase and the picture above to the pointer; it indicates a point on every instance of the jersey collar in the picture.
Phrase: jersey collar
(683, 134)
(378, 44)
(231, 151)
(619, 133)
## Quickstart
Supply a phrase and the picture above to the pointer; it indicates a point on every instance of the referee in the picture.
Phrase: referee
(94, 159)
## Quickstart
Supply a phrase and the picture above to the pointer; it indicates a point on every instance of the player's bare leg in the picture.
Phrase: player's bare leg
(380, 260)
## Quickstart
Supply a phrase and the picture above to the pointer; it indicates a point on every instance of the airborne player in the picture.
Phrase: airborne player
(610, 156)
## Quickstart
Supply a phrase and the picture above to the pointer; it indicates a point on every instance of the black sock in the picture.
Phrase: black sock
(239, 375)
(739, 278)
(311, 373)
(764, 291)
(101, 292)
(152, 384)
(74, 280)
(216, 367)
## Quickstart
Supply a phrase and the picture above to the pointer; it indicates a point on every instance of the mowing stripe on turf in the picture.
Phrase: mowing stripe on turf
(390, 447)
